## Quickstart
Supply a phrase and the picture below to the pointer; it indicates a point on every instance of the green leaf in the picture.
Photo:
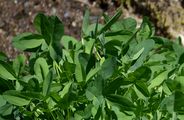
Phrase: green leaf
(3, 56)
(37, 22)
(56, 28)
(27, 42)
(86, 114)
(89, 46)
(6, 110)
(158, 80)
(69, 67)
(113, 86)
(179, 50)
(181, 59)
(168, 104)
(178, 102)
(66, 40)
(142, 87)
(146, 30)
(6, 85)
(136, 56)
(92, 73)
(121, 115)
(111, 22)
(65, 89)
(83, 59)
(68, 94)
(125, 24)
(106, 17)
(47, 83)
(50, 27)
(180, 117)
(112, 47)
(2, 101)
(108, 68)
(147, 45)
(141, 74)
(98, 113)
(52, 30)
(33, 95)
(179, 82)
(92, 28)
(85, 23)
(121, 102)
(41, 69)
(79, 73)
(15, 98)
(92, 93)
(80, 69)
(19, 64)
(52, 53)
(6, 71)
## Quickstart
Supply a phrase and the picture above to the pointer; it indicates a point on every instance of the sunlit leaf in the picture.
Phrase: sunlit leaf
(158, 80)
(16, 98)
(27, 41)
(85, 23)
(6, 71)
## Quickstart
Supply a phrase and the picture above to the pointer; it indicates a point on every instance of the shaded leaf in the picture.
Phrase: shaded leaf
(178, 102)
(113, 86)
(41, 68)
(108, 68)
(181, 59)
(15, 98)
(3, 56)
(141, 74)
(50, 27)
(121, 102)
(47, 83)
(142, 87)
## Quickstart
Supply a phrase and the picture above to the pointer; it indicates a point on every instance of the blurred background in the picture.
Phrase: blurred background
(16, 16)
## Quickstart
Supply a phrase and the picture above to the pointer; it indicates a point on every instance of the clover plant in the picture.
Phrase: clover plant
(116, 71)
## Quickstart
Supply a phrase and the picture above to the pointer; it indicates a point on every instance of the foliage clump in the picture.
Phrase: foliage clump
(116, 71)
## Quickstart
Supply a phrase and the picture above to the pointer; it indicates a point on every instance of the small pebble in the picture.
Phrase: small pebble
(74, 24)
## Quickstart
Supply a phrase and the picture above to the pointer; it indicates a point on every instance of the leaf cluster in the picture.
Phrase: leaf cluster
(117, 71)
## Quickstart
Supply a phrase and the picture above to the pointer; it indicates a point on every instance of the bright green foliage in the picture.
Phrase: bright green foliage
(117, 71)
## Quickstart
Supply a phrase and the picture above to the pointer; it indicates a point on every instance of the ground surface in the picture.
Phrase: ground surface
(16, 16)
